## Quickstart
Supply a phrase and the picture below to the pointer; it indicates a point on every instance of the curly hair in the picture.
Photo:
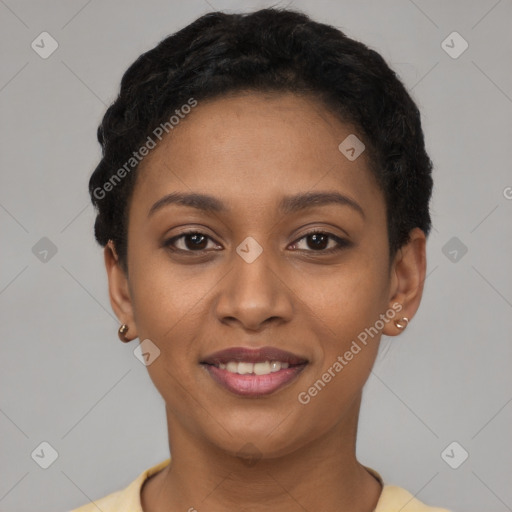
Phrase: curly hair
(278, 50)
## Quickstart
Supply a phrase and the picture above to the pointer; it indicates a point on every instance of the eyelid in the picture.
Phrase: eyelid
(341, 242)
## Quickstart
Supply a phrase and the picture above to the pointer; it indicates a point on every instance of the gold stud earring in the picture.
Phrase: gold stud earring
(402, 323)
(121, 333)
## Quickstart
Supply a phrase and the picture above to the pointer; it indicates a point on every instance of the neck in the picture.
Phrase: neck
(322, 475)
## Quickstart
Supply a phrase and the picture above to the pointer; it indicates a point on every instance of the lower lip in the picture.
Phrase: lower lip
(254, 385)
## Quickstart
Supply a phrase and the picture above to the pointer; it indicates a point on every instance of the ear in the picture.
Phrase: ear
(407, 278)
(119, 290)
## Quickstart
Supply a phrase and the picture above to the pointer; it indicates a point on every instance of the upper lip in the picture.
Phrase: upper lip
(252, 355)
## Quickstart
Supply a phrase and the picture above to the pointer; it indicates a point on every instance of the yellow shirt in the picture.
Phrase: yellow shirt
(392, 498)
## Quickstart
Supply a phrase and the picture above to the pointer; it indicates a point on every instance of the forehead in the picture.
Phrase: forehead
(254, 147)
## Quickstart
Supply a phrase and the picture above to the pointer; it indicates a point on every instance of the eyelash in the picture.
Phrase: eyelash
(342, 243)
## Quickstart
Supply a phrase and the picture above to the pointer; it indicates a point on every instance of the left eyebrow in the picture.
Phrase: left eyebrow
(288, 205)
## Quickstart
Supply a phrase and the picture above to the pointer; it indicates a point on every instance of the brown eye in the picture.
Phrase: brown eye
(318, 241)
(192, 241)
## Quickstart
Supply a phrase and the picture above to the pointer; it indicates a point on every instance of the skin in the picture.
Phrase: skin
(249, 150)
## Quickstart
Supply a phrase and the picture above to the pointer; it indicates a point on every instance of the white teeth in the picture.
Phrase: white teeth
(262, 368)
(244, 368)
(232, 367)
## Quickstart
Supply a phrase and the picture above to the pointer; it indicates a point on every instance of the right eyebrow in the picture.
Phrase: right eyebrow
(203, 202)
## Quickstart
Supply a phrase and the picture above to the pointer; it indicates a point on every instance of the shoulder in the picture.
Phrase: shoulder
(109, 503)
(125, 500)
(394, 498)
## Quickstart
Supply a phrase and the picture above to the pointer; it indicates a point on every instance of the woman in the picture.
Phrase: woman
(263, 202)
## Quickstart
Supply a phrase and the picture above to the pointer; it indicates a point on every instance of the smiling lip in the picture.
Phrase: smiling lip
(251, 385)
(249, 355)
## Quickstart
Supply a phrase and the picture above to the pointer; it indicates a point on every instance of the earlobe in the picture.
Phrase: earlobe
(408, 276)
(119, 291)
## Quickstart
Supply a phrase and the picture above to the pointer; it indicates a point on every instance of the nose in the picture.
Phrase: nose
(254, 295)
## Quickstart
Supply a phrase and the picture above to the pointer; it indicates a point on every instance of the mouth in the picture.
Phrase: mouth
(253, 372)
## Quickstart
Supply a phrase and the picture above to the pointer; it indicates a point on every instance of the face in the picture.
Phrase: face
(289, 251)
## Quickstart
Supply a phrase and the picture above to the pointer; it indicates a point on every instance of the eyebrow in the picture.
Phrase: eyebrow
(288, 205)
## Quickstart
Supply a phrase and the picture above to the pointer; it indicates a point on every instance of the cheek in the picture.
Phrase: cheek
(343, 310)
(166, 297)
(169, 310)
(344, 298)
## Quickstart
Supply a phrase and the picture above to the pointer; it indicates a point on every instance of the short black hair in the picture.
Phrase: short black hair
(272, 49)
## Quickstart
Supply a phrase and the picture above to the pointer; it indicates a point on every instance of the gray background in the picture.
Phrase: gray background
(68, 381)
